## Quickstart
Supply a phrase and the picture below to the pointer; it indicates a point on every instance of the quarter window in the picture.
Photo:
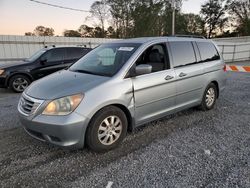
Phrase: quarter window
(208, 51)
(183, 53)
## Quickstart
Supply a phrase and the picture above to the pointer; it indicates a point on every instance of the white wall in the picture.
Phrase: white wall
(20, 47)
(234, 39)
(233, 52)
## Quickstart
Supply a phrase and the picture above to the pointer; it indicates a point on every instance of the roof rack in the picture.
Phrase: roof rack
(51, 46)
(190, 36)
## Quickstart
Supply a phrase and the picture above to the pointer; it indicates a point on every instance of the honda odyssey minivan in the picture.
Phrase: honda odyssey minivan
(119, 86)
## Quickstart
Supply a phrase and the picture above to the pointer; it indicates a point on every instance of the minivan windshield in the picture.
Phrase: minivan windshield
(105, 60)
(35, 55)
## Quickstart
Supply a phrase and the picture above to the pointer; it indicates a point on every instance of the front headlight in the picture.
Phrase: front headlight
(63, 106)
(1, 71)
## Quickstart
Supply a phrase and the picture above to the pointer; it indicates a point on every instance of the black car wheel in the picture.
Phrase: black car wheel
(209, 97)
(19, 83)
(107, 129)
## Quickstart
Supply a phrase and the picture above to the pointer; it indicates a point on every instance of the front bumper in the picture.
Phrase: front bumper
(3, 82)
(66, 131)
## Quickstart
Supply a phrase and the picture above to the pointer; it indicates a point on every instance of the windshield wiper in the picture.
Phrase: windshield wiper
(83, 71)
(88, 72)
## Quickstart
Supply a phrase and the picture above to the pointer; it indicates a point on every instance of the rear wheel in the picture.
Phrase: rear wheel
(107, 129)
(209, 97)
(19, 83)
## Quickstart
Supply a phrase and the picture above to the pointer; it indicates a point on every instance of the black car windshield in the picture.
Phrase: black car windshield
(105, 60)
(35, 55)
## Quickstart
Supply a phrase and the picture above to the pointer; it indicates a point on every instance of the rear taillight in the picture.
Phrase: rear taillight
(225, 68)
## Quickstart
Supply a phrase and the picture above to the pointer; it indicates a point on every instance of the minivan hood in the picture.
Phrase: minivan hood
(63, 83)
(4, 65)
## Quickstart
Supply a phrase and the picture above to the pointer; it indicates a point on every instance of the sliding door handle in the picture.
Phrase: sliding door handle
(182, 74)
(168, 77)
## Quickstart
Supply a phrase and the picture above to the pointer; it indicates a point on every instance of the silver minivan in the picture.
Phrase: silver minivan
(119, 86)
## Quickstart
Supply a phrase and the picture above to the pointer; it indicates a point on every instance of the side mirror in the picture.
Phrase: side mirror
(143, 69)
(43, 60)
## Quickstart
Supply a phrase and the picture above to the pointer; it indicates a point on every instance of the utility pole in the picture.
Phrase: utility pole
(173, 16)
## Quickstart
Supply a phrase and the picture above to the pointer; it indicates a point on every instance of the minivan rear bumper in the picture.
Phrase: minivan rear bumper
(65, 131)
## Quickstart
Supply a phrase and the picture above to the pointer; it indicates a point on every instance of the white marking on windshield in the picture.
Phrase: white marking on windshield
(128, 49)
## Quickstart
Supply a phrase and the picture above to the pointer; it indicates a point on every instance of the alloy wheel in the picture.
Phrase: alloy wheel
(210, 97)
(110, 130)
(20, 84)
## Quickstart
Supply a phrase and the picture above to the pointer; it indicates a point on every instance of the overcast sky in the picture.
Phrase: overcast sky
(20, 16)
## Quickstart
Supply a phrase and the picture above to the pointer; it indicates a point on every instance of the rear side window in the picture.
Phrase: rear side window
(183, 53)
(208, 51)
(74, 53)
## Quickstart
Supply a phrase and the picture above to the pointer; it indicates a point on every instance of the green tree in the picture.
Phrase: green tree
(29, 34)
(135, 18)
(98, 32)
(86, 31)
(111, 33)
(214, 14)
(71, 33)
(194, 24)
(121, 14)
(146, 18)
(44, 31)
(100, 11)
(240, 15)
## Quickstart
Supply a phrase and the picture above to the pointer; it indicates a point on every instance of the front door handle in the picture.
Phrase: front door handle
(182, 74)
(168, 77)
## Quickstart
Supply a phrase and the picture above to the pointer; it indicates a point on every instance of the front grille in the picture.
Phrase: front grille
(28, 105)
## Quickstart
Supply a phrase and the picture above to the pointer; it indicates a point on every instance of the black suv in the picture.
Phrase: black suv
(18, 75)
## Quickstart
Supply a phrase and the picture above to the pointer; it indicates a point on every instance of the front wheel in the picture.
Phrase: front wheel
(209, 97)
(19, 83)
(107, 129)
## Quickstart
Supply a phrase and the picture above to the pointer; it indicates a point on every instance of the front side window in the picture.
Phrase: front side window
(36, 55)
(183, 53)
(156, 57)
(208, 51)
(105, 60)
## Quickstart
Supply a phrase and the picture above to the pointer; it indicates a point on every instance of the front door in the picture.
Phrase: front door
(50, 62)
(154, 93)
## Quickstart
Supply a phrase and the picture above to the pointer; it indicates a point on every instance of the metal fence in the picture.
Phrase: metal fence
(14, 48)
(233, 39)
(235, 52)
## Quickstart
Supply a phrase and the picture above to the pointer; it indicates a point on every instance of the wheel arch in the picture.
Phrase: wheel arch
(19, 73)
(126, 111)
(217, 87)
(128, 115)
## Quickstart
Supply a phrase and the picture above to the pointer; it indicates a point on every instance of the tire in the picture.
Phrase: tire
(209, 97)
(19, 83)
(102, 134)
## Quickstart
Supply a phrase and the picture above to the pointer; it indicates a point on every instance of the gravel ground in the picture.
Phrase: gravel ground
(188, 149)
